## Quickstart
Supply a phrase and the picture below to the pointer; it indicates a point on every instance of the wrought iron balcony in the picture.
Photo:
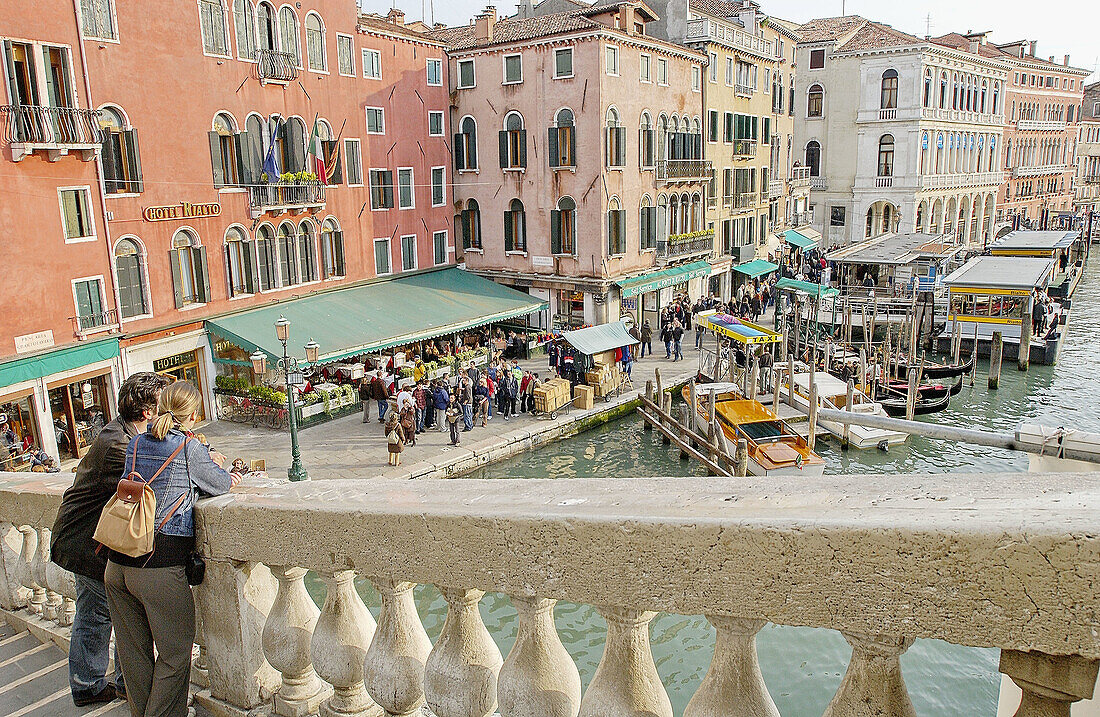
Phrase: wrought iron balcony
(56, 130)
(273, 66)
(744, 148)
(98, 321)
(684, 170)
(279, 197)
(744, 200)
(678, 246)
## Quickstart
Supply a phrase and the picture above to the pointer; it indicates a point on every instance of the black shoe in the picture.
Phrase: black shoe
(107, 694)
(120, 692)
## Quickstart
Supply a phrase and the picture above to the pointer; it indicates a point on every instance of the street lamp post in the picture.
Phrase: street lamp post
(292, 371)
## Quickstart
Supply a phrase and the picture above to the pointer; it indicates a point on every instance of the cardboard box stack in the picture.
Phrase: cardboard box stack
(551, 395)
(584, 396)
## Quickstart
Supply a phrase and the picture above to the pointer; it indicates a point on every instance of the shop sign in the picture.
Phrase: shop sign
(86, 396)
(542, 261)
(34, 342)
(630, 304)
(183, 210)
(295, 378)
(171, 362)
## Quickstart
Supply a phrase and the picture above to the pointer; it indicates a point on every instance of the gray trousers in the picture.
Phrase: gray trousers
(153, 607)
(366, 411)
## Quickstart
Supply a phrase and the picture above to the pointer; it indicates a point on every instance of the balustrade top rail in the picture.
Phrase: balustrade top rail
(35, 124)
(678, 169)
(704, 28)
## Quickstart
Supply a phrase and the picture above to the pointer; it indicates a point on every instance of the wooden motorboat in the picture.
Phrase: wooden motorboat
(775, 449)
(896, 406)
(832, 393)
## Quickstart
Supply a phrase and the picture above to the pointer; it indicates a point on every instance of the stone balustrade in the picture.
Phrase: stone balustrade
(1008, 561)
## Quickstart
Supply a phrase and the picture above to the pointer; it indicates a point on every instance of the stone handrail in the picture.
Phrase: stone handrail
(984, 560)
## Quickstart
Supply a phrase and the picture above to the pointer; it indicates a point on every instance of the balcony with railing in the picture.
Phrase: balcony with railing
(961, 181)
(743, 200)
(684, 170)
(743, 88)
(53, 130)
(277, 67)
(800, 177)
(1038, 171)
(94, 322)
(884, 182)
(776, 188)
(819, 184)
(949, 115)
(744, 148)
(972, 560)
(285, 197)
(679, 246)
(1041, 125)
(707, 30)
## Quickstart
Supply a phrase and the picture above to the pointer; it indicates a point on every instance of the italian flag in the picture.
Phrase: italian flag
(317, 153)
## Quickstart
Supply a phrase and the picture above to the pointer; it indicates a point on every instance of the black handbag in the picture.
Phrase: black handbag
(194, 568)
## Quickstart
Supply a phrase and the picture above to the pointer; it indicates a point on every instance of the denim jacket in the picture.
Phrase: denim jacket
(191, 472)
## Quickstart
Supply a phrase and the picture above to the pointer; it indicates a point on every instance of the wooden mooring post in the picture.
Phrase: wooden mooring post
(649, 395)
(996, 349)
(1023, 356)
(684, 439)
(713, 457)
(911, 395)
(974, 367)
(812, 438)
(666, 416)
(848, 407)
(741, 459)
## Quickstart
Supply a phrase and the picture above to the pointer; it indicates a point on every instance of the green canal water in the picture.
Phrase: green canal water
(803, 666)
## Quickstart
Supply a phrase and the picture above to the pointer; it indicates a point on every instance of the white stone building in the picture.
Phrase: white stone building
(900, 134)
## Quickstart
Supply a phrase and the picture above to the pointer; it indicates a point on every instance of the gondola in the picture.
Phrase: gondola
(937, 370)
(927, 392)
(896, 406)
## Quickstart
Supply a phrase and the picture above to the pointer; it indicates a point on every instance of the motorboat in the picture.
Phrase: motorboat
(832, 393)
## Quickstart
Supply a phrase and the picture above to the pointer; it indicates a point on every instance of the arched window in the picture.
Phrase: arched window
(266, 258)
(190, 280)
(647, 225)
(291, 145)
(647, 151)
(943, 90)
(471, 225)
(332, 250)
(121, 161)
(926, 98)
(238, 262)
(815, 101)
(267, 27)
(563, 140)
(515, 227)
(887, 218)
(888, 96)
(245, 23)
(870, 222)
(226, 158)
(886, 155)
(995, 107)
(563, 227)
(466, 144)
(985, 89)
(513, 142)
(662, 136)
(212, 23)
(685, 214)
(253, 147)
(288, 255)
(616, 228)
(288, 34)
(315, 42)
(813, 157)
(674, 215)
(307, 251)
(616, 140)
(697, 212)
(130, 270)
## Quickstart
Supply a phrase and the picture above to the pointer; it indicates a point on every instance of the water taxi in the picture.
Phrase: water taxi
(833, 393)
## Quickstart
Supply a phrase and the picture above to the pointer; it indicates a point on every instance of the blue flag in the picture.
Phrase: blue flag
(271, 161)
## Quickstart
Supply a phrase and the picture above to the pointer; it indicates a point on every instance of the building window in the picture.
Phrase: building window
(813, 157)
(405, 197)
(647, 225)
(616, 140)
(696, 78)
(287, 249)
(662, 71)
(382, 257)
(611, 60)
(836, 216)
(817, 59)
(515, 227)
(713, 128)
(471, 225)
(647, 142)
(288, 34)
(372, 64)
(307, 251)
(513, 143)
(238, 262)
(563, 62)
(315, 42)
(815, 101)
(266, 258)
(644, 68)
(408, 252)
(435, 73)
(439, 186)
(376, 120)
(345, 55)
(886, 156)
(88, 297)
(267, 27)
(713, 65)
(121, 160)
(212, 23)
(729, 71)
(466, 78)
(513, 69)
(226, 156)
(76, 214)
(888, 97)
(729, 126)
(244, 22)
(98, 19)
(465, 145)
(563, 227)
(332, 251)
(354, 161)
(616, 228)
(190, 281)
(130, 274)
(381, 189)
(439, 247)
(435, 123)
(563, 140)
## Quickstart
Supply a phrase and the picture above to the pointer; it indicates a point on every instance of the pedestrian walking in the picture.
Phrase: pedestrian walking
(646, 335)
(365, 398)
(395, 438)
(379, 394)
(454, 413)
(441, 400)
(420, 396)
(666, 336)
(466, 398)
(408, 422)
(513, 389)
(677, 336)
(481, 398)
(504, 400)
(698, 333)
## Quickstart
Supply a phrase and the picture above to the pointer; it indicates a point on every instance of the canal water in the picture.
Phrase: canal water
(803, 666)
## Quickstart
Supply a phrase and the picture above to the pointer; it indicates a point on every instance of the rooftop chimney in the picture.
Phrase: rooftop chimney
(397, 17)
(484, 25)
(627, 17)
(1065, 60)
(747, 15)
(1034, 47)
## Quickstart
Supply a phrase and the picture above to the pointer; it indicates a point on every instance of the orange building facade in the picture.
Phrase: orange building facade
(140, 152)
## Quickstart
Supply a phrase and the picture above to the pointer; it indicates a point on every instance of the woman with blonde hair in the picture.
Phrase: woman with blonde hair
(150, 599)
(395, 438)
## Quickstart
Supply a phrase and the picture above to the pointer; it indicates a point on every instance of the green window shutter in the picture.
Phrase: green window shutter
(509, 235)
(523, 148)
(296, 140)
(553, 155)
(620, 146)
(643, 228)
(177, 280)
(249, 271)
(204, 275)
(110, 163)
(755, 127)
(502, 145)
(216, 158)
(133, 156)
(555, 231)
(338, 250)
(460, 159)
(388, 185)
(466, 218)
(244, 167)
(522, 231)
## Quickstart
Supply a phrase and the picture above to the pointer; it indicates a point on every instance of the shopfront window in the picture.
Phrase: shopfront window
(18, 432)
(80, 410)
(182, 367)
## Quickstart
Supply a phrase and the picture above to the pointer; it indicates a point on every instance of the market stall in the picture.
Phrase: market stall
(598, 355)
(745, 339)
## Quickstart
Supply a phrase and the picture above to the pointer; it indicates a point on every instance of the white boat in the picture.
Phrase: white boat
(833, 393)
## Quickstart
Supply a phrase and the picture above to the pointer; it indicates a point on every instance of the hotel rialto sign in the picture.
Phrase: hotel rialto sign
(183, 210)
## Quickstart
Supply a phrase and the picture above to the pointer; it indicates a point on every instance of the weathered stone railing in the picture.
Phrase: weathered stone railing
(1008, 561)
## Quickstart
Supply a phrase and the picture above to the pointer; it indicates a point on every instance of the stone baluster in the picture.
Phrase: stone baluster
(12, 593)
(733, 685)
(393, 668)
(340, 640)
(286, 638)
(1050, 684)
(626, 683)
(460, 676)
(873, 685)
(40, 565)
(62, 582)
(539, 678)
(29, 569)
(200, 666)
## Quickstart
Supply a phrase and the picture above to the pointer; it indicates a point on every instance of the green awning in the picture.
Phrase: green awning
(755, 268)
(660, 279)
(597, 339)
(806, 287)
(799, 241)
(46, 364)
(378, 315)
